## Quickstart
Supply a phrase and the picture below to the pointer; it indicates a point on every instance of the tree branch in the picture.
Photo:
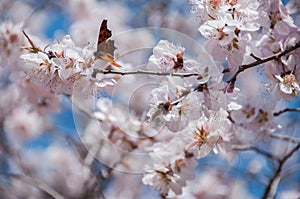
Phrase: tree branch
(123, 73)
(253, 148)
(274, 181)
(286, 110)
(261, 61)
(38, 184)
(284, 138)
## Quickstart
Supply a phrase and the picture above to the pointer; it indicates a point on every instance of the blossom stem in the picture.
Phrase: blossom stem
(255, 57)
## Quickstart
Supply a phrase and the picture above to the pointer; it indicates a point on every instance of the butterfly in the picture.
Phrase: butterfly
(105, 48)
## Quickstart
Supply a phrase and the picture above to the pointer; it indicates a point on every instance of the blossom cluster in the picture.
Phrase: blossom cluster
(238, 29)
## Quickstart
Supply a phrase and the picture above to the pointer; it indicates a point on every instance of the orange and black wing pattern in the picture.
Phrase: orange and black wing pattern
(105, 47)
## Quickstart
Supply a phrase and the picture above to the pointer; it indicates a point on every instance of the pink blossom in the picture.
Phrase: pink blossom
(58, 68)
(171, 168)
(165, 57)
(211, 133)
(175, 105)
(23, 124)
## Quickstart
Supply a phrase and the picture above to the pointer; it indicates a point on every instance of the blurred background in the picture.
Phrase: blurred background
(232, 175)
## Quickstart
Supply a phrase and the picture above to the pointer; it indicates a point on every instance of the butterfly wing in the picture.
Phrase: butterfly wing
(104, 33)
(105, 47)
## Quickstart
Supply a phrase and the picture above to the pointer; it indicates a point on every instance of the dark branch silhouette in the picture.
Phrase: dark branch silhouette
(261, 61)
(253, 148)
(271, 188)
(286, 110)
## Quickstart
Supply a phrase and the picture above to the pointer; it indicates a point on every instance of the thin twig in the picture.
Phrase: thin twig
(284, 138)
(92, 185)
(293, 169)
(37, 183)
(226, 70)
(286, 110)
(261, 61)
(144, 72)
(255, 57)
(274, 181)
(253, 148)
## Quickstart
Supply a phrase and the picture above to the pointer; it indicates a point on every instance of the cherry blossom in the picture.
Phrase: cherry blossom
(171, 167)
(288, 84)
(202, 111)
(11, 39)
(166, 57)
(175, 105)
(225, 23)
(283, 73)
(211, 133)
(20, 130)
